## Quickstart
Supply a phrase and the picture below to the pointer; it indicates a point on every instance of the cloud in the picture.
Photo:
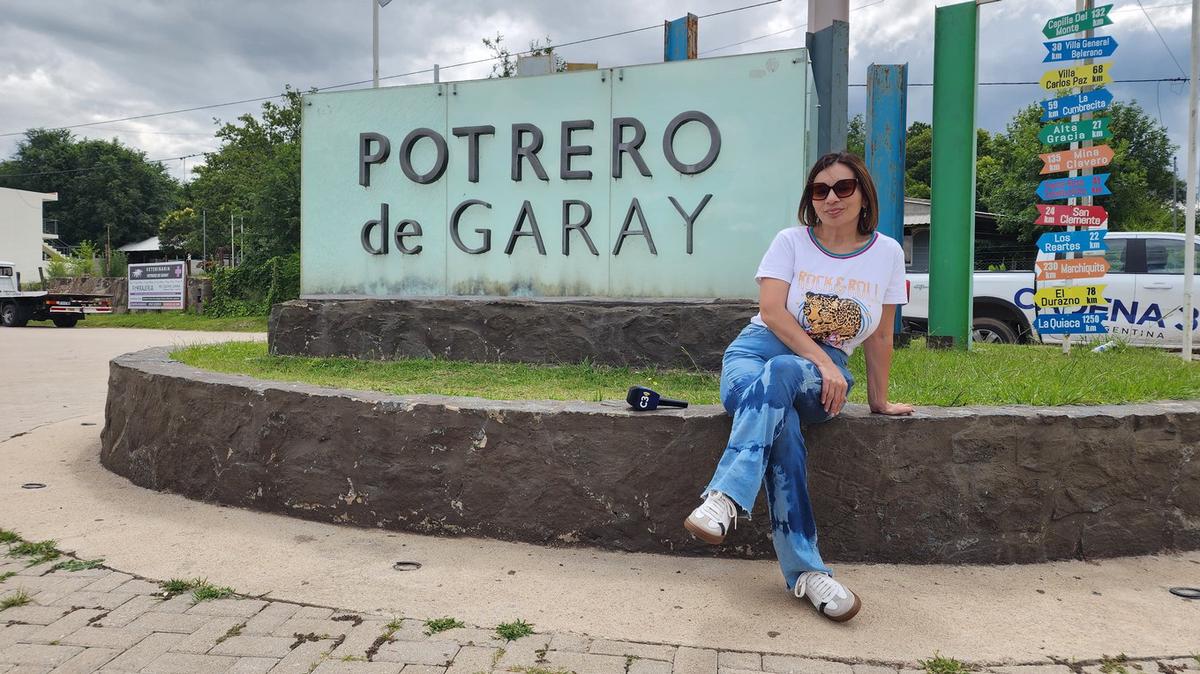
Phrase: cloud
(73, 61)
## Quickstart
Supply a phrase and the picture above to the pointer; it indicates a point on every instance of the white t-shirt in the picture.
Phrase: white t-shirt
(837, 299)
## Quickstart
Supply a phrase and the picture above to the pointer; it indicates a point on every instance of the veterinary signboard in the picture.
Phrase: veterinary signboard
(160, 285)
(663, 180)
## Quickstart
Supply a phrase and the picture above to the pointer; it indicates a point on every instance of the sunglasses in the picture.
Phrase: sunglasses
(842, 188)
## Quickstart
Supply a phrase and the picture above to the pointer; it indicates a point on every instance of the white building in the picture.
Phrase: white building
(21, 230)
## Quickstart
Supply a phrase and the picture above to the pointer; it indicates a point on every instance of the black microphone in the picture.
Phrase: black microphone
(643, 399)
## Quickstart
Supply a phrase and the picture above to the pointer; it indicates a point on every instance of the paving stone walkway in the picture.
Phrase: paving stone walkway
(100, 620)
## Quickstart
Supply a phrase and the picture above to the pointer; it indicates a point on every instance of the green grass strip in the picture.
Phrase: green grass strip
(990, 374)
(173, 320)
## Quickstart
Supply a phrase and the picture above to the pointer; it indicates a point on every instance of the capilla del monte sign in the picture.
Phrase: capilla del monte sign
(664, 180)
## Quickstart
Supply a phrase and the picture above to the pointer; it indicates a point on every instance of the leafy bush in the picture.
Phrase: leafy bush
(84, 261)
(117, 265)
(57, 268)
(250, 290)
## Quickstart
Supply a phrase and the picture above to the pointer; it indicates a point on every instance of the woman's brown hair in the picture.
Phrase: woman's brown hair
(868, 218)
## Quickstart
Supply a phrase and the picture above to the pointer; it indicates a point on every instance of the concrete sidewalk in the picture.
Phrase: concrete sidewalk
(580, 600)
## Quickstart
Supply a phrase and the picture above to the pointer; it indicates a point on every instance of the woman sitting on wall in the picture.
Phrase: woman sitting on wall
(824, 288)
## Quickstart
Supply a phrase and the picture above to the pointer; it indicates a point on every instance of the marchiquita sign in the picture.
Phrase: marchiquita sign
(665, 180)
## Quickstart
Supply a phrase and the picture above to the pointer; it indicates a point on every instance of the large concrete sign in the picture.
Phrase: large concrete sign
(665, 180)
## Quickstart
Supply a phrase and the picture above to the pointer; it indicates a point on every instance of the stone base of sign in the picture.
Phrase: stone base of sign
(952, 485)
(664, 333)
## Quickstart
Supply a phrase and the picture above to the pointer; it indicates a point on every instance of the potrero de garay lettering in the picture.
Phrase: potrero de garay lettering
(526, 141)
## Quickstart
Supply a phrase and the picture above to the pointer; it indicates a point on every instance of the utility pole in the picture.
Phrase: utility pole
(375, 5)
(1189, 218)
(232, 249)
(828, 43)
(204, 231)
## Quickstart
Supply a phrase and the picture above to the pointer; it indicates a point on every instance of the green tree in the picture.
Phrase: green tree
(1141, 180)
(253, 178)
(106, 191)
(180, 233)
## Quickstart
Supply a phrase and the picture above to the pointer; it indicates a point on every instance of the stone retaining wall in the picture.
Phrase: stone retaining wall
(663, 333)
(961, 485)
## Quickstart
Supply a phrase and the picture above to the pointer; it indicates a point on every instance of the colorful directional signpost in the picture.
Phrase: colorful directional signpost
(1072, 242)
(1060, 133)
(1080, 48)
(1056, 215)
(1077, 159)
(1076, 104)
(1071, 188)
(1077, 22)
(1070, 77)
(1080, 267)
(1064, 126)
(1079, 323)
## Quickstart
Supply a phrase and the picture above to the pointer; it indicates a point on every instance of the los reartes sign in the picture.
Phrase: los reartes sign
(666, 180)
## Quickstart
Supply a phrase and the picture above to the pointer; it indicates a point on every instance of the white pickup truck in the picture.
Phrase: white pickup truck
(1144, 291)
(18, 307)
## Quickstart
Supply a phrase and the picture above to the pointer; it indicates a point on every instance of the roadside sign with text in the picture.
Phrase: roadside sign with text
(1070, 324)
(1076, 160)
(160, 285)
(1080, 267)
(1058, 215)
(1060, 133)
(1076, 104)
(1060, 297)
(1077, 22)
(1080, 48)
(1071, 77)
(1072, 242)
(1070, 188)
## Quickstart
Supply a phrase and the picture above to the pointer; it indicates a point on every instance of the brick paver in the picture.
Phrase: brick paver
(108, 621)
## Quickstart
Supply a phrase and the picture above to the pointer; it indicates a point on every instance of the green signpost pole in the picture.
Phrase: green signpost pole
(952, 226)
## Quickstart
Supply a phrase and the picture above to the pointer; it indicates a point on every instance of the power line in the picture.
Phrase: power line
(1025, 83)
(94, 167)
(260, 99)
(1160, 37)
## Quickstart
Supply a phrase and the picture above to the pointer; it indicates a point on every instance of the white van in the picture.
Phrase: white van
(1144, 291)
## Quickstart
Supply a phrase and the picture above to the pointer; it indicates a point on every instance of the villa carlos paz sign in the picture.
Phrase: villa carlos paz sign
(666, 180)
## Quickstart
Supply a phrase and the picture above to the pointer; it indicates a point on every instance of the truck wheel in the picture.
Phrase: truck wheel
(992, 331)
(11, 316)
(65, 321)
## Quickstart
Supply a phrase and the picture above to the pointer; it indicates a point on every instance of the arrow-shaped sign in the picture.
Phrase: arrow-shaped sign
(1080, 267)
(1068, 188)
(1052, 215)
(1072, 242)
(1080, 48)
(1076, 104)
(1059, 133)
(1070, 324)
(1069, 297)
(1076, 160)
(1071, 77)
(1077, 22)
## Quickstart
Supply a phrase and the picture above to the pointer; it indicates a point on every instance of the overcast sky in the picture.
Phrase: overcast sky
(75, 61)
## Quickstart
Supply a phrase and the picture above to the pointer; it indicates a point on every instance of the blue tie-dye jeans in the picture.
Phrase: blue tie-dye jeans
(770, 392)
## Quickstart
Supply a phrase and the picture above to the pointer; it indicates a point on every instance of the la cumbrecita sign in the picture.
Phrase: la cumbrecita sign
(665, 180)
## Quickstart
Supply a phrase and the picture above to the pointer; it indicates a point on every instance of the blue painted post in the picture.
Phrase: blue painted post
(679, 38)
(887, 123)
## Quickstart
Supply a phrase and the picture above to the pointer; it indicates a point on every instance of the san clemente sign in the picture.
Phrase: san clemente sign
(527, 140)
(658, 181)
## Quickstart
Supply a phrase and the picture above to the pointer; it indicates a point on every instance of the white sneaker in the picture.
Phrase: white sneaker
(830, 597)
(711, 521)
